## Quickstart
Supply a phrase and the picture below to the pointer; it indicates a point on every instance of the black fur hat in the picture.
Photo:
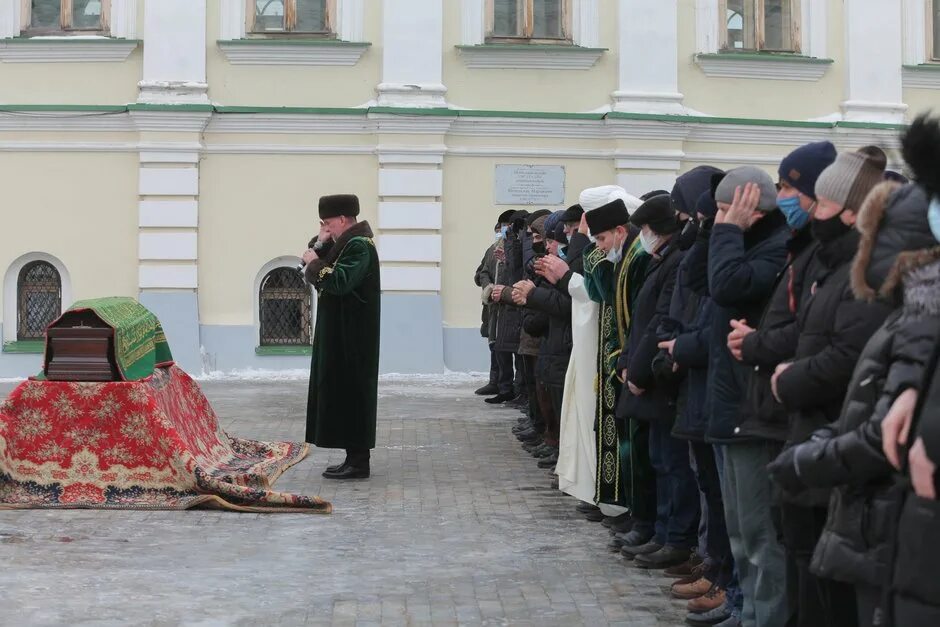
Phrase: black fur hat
(920, 146)
(339, 205)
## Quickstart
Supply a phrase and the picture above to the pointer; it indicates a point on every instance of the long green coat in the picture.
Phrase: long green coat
(344, 371)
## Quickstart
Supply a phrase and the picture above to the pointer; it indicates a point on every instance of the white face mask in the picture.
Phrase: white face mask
(649, 242)
(615, 254)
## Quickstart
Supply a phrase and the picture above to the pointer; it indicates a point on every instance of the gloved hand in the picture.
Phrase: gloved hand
(783, 471)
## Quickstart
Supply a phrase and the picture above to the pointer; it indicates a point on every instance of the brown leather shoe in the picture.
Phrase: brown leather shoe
(691, 590)
(684, 569)
(714, 598)
(697, 573)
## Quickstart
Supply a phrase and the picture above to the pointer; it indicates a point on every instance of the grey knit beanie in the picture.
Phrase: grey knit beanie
(848, 180)
(739, 177)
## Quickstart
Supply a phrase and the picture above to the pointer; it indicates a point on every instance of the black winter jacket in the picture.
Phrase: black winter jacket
(658, 401)
(509, 320)
(742, 269)
(549, 302)
(694, 308)
(833, 328)
(763, 417)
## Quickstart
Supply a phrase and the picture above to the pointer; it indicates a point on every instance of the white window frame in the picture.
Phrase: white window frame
(933, 13)
(11, 297)
(65, 28)
(796, 28)
(348, 24)
(330, 22)
(121, 20)
(528, 25)
(286, 261)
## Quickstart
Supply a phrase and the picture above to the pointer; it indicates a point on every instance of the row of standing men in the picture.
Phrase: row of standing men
(737, 377)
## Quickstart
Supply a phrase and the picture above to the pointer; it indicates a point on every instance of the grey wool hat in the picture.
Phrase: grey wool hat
(739, 177)
(849, 180)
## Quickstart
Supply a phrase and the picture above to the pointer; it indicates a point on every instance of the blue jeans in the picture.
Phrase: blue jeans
(677, 501)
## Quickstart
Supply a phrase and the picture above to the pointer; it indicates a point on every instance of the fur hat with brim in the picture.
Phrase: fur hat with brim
(339, 205)
(658, 214)
(895, 238)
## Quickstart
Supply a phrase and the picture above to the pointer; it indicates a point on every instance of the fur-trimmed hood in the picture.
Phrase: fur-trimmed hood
(895, 239)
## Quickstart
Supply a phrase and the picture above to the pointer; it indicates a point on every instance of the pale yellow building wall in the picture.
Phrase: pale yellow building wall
(80, 208)
(755, 98)
(294, 85)
(470, 214)
(253, 209)
(531, 90)
(921, 101)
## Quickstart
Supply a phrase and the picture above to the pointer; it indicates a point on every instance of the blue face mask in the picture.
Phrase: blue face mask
(503, 231)
(796, 217)
(561, 254)
(933, 216)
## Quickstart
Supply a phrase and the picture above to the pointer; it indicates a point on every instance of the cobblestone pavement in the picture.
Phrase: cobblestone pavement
(456, 526)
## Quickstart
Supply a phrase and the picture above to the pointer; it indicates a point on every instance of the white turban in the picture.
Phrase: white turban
(595, 197)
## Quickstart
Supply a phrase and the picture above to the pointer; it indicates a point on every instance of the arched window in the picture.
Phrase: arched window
(285, 308)
(38, 299)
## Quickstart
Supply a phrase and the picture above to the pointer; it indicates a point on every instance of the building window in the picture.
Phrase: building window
(934, 30)
(311, 17)
(536, 21)
(38, 299)
(760, 25)
(286, 307)
(58, 16)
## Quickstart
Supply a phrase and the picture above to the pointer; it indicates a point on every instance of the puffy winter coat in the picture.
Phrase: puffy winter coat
(742, 269)
(763, 417)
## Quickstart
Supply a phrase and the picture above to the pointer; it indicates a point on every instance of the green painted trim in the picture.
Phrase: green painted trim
(280, 351)
(616, 115)
(206, 108)
(924, 67)
(765, 56)
(294, 110)
(39, 39)
(64, 108)
(544, 115)
(336, 43)
(553, 47)
(454, 113)
(432, 112)
(28, 347)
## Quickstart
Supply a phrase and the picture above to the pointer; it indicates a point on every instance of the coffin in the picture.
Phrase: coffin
(80, 347)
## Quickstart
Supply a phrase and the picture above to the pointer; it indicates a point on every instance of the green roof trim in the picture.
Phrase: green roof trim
(452, 113)
(924, 67)
(26, 347)
(293, 42)
(553, 47)
(143, 106)
(770, 57)
(294, 110)
(282, 351)
(39, 39)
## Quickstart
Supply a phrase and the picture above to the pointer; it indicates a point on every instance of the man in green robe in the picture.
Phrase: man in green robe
(614, 268)
(343, 267)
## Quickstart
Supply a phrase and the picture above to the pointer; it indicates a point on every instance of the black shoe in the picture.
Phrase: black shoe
(624, 526)
(488, 390)
(543, 451)
(610, 521)
(519, 402)
(665, 557)
(528, 447)
(631, 552)
(584, 508)
(336, 467)
(549, 462)
(531, 438)
(595, 516)
(499, 399)
(348, 472)
(522, 436)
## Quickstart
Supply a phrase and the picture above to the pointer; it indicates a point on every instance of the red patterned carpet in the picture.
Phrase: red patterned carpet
(150, 444)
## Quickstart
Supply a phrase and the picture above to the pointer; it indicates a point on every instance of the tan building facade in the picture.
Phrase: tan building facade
(174, 150)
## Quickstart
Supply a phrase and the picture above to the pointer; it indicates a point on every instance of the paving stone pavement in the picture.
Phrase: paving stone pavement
(456, 526)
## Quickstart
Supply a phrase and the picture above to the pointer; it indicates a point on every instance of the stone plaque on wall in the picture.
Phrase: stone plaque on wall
(530, 185)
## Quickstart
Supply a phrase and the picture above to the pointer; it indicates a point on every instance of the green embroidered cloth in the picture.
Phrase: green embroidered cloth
(139, 341)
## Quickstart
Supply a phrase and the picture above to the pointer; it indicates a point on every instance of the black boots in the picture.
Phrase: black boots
(499, 399)
(356, 466)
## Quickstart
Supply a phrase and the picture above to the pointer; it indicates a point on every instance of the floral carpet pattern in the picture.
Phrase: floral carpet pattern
(150, 444)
